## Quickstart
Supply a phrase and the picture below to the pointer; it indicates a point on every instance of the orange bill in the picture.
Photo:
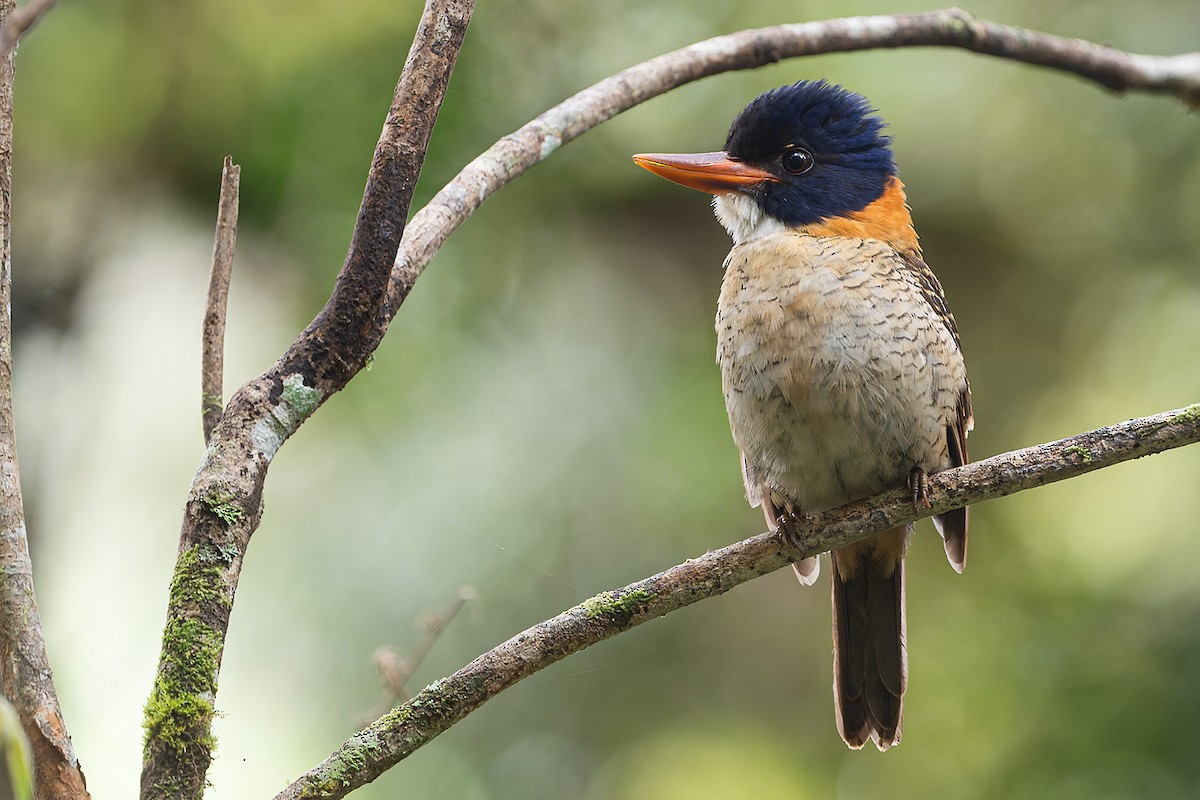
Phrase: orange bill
(715, 173)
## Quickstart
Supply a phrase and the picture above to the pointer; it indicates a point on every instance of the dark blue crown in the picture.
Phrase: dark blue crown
(853, 156)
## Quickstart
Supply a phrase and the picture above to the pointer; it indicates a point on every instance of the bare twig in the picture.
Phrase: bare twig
(398, 675)
(396, 670)
(1178, 76)
(17, 23)
(401, 732)
(28, 681)
(225, 503)
(212, 360)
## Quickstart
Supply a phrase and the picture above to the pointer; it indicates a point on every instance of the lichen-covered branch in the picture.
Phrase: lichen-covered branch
(212, 358)
(1178, 76)
(399, 733)
(28, 680)
(225, 501)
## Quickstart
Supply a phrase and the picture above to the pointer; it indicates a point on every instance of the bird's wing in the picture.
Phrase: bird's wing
(953, 524)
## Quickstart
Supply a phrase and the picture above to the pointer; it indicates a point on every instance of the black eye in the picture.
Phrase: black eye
(797, 160)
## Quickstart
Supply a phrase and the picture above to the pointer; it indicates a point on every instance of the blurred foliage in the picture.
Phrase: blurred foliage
(544, 420)
(16, 767)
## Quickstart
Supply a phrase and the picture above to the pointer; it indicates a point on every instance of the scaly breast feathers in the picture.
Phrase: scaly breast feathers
(839, 375)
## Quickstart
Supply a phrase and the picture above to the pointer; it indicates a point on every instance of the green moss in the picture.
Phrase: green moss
(620, 606)
(170, 786)
(1188, 415)
(400, 714)
(199, 576)
(324, 787)
(349, 763)
(1084, 454)
(228, 512)
(378, 743)
(174, 720)
(179, 713)
(222, 504)
(198, 652)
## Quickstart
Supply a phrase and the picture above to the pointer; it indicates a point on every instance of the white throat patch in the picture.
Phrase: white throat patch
(742, 217)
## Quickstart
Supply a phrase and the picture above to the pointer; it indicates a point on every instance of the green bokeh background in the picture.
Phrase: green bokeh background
(544, 419)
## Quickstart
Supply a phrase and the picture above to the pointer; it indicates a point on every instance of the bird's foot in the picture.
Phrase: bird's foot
(918, 484)
(787, 525)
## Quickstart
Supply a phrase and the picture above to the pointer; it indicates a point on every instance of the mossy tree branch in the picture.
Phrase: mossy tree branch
(225, 502)
(405, 729)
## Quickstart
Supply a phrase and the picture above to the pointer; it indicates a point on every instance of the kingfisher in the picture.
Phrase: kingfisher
(841, 363)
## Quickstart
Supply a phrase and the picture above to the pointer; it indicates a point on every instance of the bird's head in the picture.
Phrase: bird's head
(796, 156)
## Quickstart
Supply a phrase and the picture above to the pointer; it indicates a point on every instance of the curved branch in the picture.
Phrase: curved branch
(435, 708)
(1178, 76)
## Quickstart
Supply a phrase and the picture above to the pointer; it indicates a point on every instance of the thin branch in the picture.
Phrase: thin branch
(1178, 76)
(212, 359)
(401, 732)
(225, 502)
(396, 670)
(28, 681)
(19, 22)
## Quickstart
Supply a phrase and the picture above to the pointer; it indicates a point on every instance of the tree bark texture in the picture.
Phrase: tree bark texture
(224, 505)
(28, 680)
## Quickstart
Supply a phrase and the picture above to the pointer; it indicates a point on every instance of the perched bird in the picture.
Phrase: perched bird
(840, 360)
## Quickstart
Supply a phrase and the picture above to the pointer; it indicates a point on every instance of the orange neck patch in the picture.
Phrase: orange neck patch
(887, 219)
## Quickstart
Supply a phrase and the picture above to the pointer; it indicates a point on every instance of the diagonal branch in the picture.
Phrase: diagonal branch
(225, 502)
(1178, 76)
(212, 359)
(396, 735)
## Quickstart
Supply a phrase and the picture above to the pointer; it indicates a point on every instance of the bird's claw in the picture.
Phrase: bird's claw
(787, 525)
(918, 484)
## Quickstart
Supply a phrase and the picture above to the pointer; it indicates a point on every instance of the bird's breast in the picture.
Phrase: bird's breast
(838, 375)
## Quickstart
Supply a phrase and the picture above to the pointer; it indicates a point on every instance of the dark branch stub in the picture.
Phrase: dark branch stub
(212, 364)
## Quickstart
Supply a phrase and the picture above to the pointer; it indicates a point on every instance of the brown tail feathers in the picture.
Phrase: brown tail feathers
(870, 662)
